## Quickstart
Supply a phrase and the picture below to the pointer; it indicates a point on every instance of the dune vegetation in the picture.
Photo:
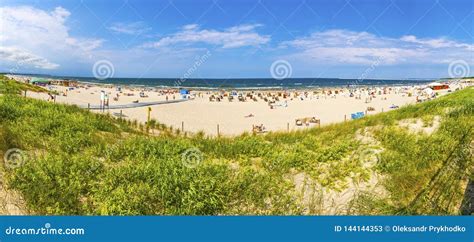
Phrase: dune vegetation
(413, 160)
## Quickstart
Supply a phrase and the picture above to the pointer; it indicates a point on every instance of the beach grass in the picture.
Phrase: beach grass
(13, 87)
(79, 162)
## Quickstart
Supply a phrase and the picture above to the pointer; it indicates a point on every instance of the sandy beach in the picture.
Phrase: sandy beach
(199, 113)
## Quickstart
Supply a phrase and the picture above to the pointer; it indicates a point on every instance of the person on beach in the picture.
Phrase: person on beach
(106, 100)
(102, 99)
(50, 98)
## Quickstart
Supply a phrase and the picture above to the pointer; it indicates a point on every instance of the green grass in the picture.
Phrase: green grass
(13, 87)
(84, 163)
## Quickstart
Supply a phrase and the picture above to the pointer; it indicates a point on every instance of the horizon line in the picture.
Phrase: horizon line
(231, 78)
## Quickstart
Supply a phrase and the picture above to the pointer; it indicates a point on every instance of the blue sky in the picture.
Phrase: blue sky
(230, 38)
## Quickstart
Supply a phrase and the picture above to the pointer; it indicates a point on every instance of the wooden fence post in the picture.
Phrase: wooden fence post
(148, 117)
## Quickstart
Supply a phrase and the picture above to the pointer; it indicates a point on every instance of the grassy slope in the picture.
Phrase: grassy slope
(11, 86)
(85, 163)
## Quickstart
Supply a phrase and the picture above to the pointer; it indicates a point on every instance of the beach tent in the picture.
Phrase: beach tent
(184, 93)
(40, 81)
(438, 86)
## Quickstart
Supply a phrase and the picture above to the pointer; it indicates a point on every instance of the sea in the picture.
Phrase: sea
(246, 83)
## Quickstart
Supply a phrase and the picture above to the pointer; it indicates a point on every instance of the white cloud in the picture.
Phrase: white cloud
(21, 57)
(349, 47)
(85, 45)
(234, 37)
(41, 39)
(42, 35)
(134, 28)
(436, 43)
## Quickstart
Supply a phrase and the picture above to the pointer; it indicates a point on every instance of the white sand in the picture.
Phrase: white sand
(202, 115)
